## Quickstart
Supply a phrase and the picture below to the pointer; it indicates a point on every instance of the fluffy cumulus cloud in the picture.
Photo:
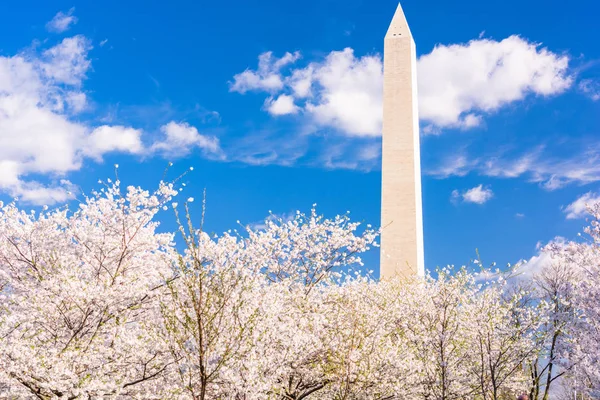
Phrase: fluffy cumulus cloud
(282, 105)
(578, 208)
(267, 77)
(458, 84)
(341, 92)
(106, 139)
(43, 134)
(179, 139)
(38, 95)
(476, 195)
(62, 21)
(349, 93)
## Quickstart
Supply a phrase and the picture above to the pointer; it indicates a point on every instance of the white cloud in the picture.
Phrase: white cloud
(37, 97)
(301, 82)
(458, 165)
(458, 84)
(554, 183)
(461, 82)
(67, 62)
(9, 173)
(35, 193)
(590, 88)
(40, 97)
(76, 101)
(526, 270)
(497, 167)
(455, 196)
(62, 21)
(282, 105)
(341, 92)
(477, 195)
(106, 139)
(181, 138)
(268, 147)
(363, 155)
(42, 133)
(268, 75)
(349, 93)
(578, 208)
(550, 170)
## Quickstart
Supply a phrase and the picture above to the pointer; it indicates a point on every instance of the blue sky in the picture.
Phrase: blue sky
(509, 103)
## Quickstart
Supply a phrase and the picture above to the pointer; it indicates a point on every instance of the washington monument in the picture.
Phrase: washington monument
(401, 208)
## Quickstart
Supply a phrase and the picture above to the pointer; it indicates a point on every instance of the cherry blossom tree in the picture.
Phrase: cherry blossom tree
(304, 257)
(96, 304)
(504, 324)
(430, 318)
(210, 313)
(78, 316)
(554, 359)
(333, 344)
(582, 260)
(266, 283)
(370, 361)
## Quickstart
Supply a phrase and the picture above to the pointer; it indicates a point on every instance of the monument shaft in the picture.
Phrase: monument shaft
(401, 207)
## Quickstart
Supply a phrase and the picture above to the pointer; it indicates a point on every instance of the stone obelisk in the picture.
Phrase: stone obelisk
(401, 208)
